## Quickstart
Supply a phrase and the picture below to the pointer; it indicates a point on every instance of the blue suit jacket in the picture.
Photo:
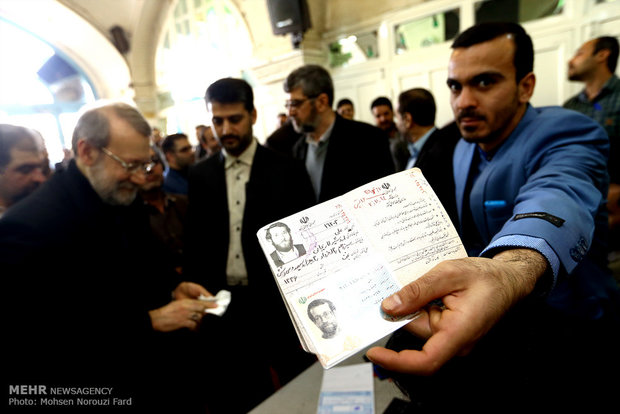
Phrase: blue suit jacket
(545, 189)
(175, 182)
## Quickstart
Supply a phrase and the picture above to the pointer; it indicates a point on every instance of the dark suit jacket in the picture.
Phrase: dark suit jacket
(357, 153)
(278, 187)
(435, 161)
(276, 258)
(80, 280)
(400, 152)
(282, 139)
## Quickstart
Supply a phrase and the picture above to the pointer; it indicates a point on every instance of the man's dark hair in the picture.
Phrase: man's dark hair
(524, 50)
(168, 143)
(382, 100)
(274, 225)
(13, 136)
(420, 104)
(344, 101)
(231, 91)
(611, 44)
(313, 81)
(318, 302)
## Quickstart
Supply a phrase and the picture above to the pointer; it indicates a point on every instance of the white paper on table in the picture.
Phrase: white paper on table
(347, 389)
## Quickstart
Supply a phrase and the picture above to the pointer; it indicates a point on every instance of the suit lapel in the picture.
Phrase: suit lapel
(333, 153)
(430, 142)
(463, 155)
(300, 148)
(254, 180)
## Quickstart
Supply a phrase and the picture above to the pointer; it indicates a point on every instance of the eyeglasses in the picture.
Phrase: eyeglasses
(156, 160)
(297, 103)
(131, 167)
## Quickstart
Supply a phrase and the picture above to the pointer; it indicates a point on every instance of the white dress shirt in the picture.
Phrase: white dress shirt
(237, 175)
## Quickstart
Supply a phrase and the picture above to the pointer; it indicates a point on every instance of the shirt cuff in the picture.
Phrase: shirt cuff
(529, 242)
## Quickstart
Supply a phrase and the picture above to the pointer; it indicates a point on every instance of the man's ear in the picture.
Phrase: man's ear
(168, 157)
(87, 153)
(407, 120)
(602, 56)
(323, 102)
(526, 87)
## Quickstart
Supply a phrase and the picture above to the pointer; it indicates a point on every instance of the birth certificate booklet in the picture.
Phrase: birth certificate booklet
(334, 263)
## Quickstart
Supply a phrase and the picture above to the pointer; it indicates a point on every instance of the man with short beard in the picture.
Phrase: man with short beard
(340, 154)
(594, 64)
(232, 195)
(180, 156)
(166, 211)
(21, 165)
(531, 318)
(383, 112)
(322, 313)
(88, 305)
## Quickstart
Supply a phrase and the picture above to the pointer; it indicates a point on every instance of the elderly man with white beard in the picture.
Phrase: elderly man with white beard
(87, 304)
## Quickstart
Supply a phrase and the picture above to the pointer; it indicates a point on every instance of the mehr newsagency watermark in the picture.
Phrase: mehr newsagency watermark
(46, 396)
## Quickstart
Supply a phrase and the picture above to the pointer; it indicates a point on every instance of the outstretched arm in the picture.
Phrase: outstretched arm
(476, 293)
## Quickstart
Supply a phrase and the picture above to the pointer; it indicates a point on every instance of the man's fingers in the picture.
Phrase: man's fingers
(407, 361)
(194, 290)
(190, 290)
(437, 351)
(420, 326)
(194, 305)
(436, 283)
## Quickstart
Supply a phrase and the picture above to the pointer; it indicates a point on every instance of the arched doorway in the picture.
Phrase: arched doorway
(41, 88)
(204, 40)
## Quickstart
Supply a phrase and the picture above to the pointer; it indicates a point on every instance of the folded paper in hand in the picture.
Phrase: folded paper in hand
(334, 263)
(222, 299)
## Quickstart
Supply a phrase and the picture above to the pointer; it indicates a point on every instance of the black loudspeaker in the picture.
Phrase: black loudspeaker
(119, 39)
(289, 16)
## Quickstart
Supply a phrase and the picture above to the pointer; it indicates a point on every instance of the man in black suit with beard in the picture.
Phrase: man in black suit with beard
(232, 195)
(340, 154)
(430, 148)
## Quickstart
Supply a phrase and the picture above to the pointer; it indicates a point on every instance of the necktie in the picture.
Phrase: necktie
(469, 232)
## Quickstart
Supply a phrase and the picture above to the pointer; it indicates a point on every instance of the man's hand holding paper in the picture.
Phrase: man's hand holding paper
(474, 292)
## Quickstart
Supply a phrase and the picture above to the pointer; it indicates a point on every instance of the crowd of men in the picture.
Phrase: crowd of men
(530, 319)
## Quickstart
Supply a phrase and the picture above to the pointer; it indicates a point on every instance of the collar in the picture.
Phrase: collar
(613, 83)
(246, 156)
(416, 147)
(324, 138)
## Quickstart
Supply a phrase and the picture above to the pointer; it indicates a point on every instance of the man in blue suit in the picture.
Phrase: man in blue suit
(533, 321)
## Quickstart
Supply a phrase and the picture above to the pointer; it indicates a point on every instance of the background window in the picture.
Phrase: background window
(426, 31)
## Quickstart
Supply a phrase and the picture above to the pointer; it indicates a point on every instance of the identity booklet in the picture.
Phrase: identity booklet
(334, 263)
